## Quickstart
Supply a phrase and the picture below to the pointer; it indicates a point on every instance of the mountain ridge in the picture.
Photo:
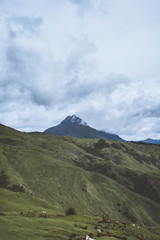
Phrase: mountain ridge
(151, 141)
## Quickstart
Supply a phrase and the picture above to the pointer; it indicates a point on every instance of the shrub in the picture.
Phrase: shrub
(16, 188)
(4, 180)
(70, 211)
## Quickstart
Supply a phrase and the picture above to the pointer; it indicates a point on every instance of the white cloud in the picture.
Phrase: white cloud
(21, 25)
(90, 6)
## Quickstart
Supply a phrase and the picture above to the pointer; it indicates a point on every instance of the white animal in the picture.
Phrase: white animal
(88, 238)
(43, 211)
(99, 230)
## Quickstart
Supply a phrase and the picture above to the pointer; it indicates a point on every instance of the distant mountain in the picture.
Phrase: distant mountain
(76, 127)
(151, 141)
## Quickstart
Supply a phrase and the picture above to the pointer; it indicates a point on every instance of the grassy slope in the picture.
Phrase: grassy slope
(67, 172)
(136, 166)
(21, 218)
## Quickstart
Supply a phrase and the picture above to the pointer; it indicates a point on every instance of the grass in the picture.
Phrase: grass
(73, 227)
(93, 176)
(27, 217)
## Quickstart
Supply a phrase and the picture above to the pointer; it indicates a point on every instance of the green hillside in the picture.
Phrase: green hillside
(40, 172)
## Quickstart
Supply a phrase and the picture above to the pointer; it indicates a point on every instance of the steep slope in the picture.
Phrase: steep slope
(76, 127)
(134, 165)
(93, 176)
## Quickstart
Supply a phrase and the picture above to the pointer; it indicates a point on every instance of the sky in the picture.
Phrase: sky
(97, 59)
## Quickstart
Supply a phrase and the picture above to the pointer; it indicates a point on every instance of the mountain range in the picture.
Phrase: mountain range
(76, 127)
(151, 141)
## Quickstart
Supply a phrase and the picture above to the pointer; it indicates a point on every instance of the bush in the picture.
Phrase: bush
(4, 180)
(17, 188)
(70, 211)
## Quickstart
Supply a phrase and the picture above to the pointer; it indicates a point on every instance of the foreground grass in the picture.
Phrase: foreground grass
(72, 227)
(24, 217)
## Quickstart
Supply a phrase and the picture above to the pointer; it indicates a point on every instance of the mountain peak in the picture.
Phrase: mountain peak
(76, 127)
(76, 120)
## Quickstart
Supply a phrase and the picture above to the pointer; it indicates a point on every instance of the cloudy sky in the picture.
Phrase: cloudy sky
(98, 59)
